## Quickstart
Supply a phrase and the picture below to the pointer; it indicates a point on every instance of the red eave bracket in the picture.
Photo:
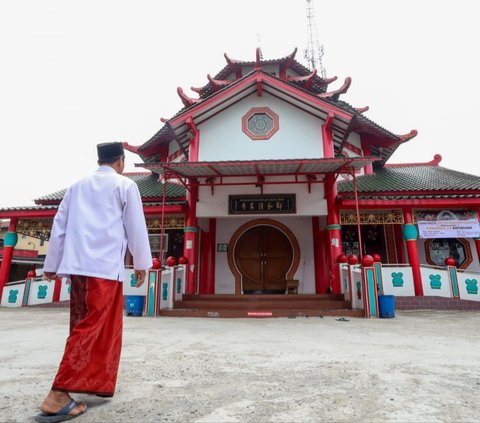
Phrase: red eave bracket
(259, 86)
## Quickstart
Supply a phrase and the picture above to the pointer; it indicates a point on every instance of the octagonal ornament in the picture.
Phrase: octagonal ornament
(260, 123)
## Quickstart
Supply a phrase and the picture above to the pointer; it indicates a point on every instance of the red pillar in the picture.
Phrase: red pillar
(410, 234)
(9, 243)
(212, 232)
(334, 233)
(317, 249)
(207, 258)
(190, 247)
(333, 226)
(320, 257)
(477, 245)
(203, 261)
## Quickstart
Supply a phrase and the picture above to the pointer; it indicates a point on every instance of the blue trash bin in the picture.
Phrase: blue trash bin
(134, 305)
(386, 306)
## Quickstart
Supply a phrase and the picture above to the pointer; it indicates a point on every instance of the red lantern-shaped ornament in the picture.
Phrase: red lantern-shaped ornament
(156, 263)
(182, 260)
(367, 261)
(352, 260)
(377, 258)
(31, 274)
(450, 261)
(171, 261)
(342, 258)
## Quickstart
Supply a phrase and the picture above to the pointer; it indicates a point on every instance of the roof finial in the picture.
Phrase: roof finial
(258, 58)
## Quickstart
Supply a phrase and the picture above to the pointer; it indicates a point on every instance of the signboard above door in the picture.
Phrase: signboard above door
(262, 204)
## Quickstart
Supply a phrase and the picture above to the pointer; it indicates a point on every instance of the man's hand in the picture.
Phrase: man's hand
(140, 277)
(49, 275)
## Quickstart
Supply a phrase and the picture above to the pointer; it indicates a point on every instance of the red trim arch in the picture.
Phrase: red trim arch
(259, 222)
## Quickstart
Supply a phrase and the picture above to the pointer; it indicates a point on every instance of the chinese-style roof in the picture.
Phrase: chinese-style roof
(262, 168)
(420, 181)
(148, 185)
(230, 84)
(305, 76)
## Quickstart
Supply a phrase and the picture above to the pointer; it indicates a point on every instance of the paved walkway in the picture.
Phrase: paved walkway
(417, 367)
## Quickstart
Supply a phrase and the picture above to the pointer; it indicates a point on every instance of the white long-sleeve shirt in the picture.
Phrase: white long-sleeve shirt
(98, 217)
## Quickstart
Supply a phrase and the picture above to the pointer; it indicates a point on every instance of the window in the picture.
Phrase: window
(437, 250)
(155, 245)
(260, 123)
(373, 240)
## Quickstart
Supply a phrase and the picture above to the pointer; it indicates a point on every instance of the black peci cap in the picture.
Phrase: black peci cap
(109, 150)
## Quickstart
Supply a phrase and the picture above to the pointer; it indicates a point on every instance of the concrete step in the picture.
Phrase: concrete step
(250, 297)
(263, 313)
(260, 303)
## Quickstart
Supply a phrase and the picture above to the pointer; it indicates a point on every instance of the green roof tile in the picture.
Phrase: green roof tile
(148, 185)
(408, 179)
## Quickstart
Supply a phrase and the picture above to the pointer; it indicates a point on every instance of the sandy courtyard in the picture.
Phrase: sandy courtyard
(418, 367)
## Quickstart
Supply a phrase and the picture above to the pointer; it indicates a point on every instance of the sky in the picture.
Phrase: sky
(77, 73)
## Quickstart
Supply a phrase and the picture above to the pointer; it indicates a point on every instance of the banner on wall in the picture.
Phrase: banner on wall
(447, 224)
(449, 229)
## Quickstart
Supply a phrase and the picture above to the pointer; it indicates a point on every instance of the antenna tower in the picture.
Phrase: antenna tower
(314, 51)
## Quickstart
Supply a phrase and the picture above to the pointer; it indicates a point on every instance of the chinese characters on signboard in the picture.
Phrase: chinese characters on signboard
(262, 204)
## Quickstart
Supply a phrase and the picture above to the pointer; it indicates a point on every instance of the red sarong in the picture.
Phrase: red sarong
(92, 352)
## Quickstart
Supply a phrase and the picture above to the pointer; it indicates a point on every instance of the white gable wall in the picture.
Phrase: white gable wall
(216, 205)
(299, 135)
(355, 140)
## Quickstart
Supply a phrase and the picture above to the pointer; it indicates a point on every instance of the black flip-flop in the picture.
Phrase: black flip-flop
(61, 416)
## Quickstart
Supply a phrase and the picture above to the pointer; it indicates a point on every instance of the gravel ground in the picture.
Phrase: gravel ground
(417, 367)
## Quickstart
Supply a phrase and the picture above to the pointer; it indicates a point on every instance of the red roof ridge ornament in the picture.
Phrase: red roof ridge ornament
(230, 61)
(186, 100)
(216, 84)
(290, 58)
(342, 90)
(131, 148)
(362, 109)
(437, 158)
(412, 134)
(327, 81)
(306, 80)
(258, 59)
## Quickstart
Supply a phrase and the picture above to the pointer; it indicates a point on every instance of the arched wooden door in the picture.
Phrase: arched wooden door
(263, 255)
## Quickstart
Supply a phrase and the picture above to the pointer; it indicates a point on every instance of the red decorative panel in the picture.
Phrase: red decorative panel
(22, 253)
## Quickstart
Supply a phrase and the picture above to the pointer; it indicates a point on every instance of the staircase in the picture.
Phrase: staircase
(261, 305)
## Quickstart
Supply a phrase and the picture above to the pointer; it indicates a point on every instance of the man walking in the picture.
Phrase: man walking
(99, 217)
